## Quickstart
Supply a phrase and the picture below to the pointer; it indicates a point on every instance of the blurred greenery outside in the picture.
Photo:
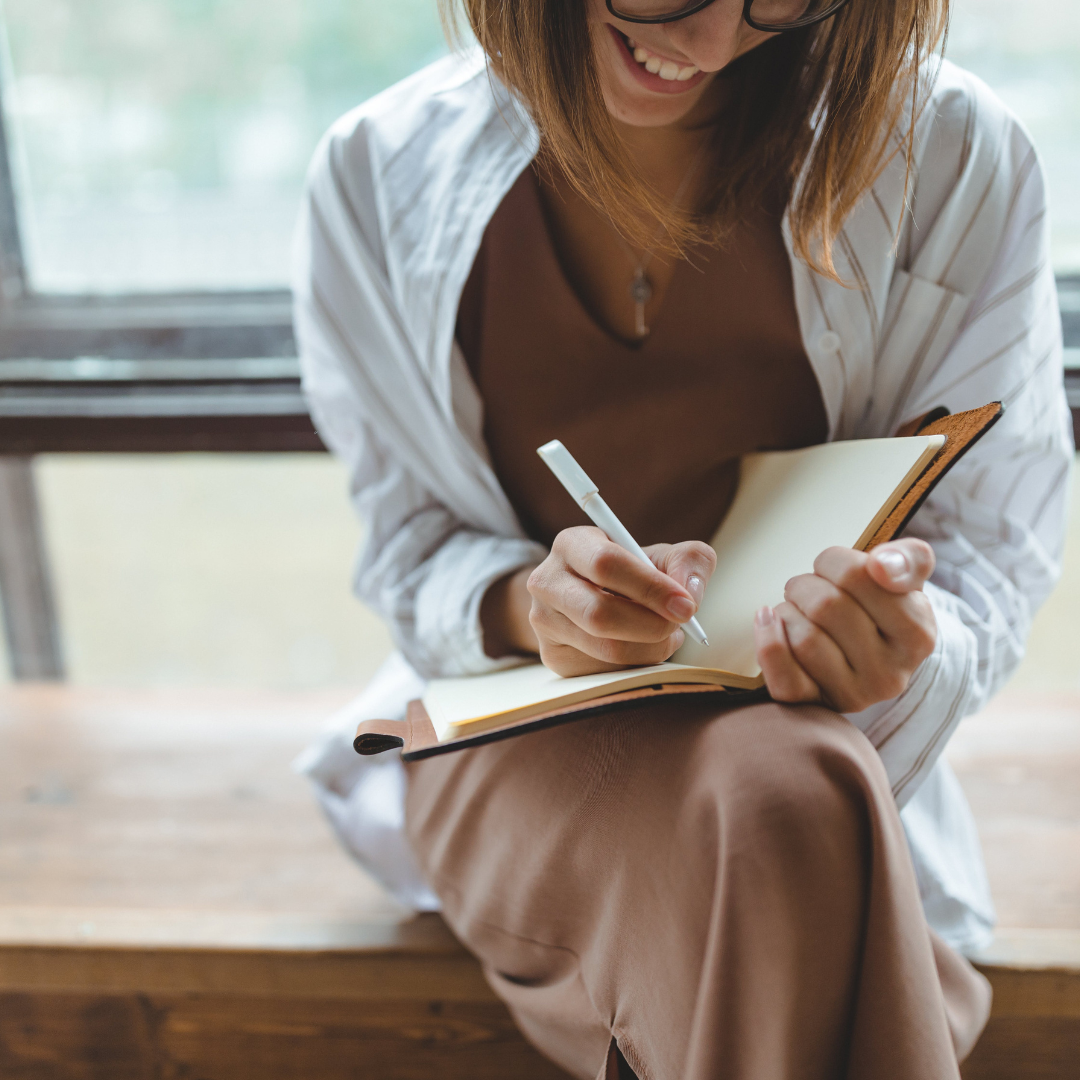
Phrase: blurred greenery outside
(162, 144)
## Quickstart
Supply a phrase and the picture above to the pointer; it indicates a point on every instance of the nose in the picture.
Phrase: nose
(713, 37)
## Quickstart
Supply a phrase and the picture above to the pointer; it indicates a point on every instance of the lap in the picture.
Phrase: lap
(624, 771)
(600, 869)
(537, 835)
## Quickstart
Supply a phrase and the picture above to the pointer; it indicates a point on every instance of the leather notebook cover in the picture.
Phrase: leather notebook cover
(416, 737)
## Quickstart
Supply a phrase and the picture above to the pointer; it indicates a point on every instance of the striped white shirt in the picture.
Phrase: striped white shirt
(960, 311)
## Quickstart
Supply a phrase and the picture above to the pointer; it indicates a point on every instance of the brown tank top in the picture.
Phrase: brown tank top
(660, 425)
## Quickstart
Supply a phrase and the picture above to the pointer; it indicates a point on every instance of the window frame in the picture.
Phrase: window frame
(174, 371)
(154, 372)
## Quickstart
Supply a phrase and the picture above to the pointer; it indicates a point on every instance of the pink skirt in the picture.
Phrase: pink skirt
(723, 893)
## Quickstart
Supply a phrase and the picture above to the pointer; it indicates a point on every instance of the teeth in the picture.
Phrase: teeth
(666, 69)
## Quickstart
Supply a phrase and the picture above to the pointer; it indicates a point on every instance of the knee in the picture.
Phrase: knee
(782, 770)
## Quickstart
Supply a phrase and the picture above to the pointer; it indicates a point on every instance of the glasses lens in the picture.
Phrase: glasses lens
(652, 9)
(785, 12)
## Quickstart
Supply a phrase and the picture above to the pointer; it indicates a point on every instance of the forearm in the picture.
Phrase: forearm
(504, 617)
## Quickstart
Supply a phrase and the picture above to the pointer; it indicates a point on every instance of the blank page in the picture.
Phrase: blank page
(790, 506)
(532, 689)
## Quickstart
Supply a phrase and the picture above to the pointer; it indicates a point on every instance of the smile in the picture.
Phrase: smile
(657, 65)
(660, 74)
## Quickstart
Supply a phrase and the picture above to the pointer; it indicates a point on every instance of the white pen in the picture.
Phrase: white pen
(576, 481)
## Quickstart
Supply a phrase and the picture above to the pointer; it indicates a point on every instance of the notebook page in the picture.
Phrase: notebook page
(790, 506)
(454, 701)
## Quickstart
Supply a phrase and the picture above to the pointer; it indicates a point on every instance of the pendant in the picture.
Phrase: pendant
(640, 293)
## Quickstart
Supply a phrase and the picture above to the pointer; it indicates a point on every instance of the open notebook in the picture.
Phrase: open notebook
(789, 506)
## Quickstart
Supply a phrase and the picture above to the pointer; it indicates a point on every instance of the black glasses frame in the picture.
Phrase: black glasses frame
(693, 9)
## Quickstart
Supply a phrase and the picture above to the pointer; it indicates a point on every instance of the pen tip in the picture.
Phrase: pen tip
(704, 641)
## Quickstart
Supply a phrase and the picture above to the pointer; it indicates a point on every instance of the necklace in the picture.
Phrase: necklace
(641, 288)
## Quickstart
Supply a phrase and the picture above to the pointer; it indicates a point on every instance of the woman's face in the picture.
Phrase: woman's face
(685, 57)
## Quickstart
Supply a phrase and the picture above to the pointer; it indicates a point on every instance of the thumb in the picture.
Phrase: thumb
(691, 564)
(901, 565)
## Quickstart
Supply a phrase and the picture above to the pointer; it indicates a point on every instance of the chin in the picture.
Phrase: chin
(639, 110)
(647, 113)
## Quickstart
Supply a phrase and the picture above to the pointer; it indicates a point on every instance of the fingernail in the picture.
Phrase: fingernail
(681, 609)
(895, 563)
(696, 588)
(764, 616)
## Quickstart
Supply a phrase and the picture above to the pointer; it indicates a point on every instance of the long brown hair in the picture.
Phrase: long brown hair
(816, 113)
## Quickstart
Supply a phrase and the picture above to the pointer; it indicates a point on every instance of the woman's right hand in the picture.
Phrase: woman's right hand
(595, 607)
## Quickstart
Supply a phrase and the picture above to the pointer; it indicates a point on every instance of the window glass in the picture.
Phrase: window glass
(162, 144)
(206, 570)
(1029, 52)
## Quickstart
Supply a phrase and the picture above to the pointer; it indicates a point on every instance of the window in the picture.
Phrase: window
(157, 150)
(1029, 53)
(161, 145)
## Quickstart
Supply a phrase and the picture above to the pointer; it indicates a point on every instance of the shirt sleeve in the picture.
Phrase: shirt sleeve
(422, 567)
(997, 520)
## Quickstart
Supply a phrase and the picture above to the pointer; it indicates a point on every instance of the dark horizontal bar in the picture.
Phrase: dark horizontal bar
(170, 394)
(168, 327)
(159, 435)
(224, 325)
(278, 398)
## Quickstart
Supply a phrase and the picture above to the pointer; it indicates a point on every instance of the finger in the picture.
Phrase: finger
(841, 616)
(592, 556)
(820, 657)
(567, 661)
(690, 563)
(597, 612)
(901, 565)
(784, 677)
(559, 638)
(904, 619)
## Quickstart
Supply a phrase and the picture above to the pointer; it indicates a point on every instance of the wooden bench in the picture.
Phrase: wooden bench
(173, 905)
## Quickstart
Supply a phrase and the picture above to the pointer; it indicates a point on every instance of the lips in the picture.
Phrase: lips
(657, 73)
(668, 70)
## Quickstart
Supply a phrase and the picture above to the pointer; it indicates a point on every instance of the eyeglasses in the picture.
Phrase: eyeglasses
(774, 16)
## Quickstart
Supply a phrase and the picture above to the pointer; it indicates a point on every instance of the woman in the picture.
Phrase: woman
(669, 233)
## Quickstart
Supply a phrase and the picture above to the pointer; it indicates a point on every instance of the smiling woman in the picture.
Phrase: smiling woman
(669, 243)
(849, 64)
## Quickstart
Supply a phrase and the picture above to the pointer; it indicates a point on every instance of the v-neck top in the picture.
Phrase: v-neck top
(659, 425)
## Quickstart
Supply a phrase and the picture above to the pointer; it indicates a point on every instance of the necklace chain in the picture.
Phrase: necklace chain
(641, 288)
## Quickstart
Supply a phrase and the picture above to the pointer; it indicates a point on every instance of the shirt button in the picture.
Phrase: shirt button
(829, 342)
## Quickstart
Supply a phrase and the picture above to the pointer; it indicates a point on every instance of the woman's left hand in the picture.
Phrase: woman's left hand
(853, 632)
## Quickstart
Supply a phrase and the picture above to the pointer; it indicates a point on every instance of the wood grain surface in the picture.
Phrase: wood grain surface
(172, 904)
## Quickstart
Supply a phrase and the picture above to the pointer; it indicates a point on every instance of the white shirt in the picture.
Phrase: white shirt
(954, 304)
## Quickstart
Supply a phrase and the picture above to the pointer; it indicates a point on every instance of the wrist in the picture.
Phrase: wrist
(504, 617)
